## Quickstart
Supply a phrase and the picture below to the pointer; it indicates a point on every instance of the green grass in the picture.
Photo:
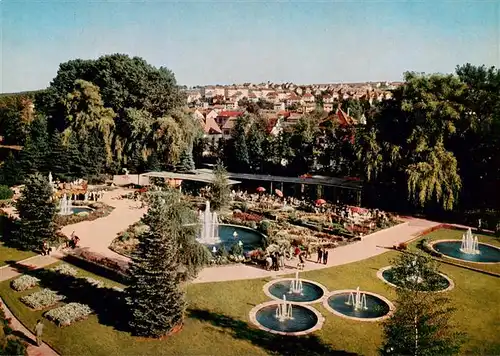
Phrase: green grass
(218, 318)
(11, 254)
(450, 234)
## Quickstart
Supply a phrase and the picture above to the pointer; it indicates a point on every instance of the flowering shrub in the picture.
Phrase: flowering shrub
(42, 299)
(95, 282)
(247, 217)
(68, 314)
(24, 282)
(65, 269)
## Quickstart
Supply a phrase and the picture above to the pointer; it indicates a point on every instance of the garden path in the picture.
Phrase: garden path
(97, 235)
(33, 350)
(371, 245)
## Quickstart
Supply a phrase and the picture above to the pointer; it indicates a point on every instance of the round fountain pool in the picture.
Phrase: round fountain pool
(311, 291)
(251, 239)
(451, 248)
(80, 209)
(376, 307)
(304, 320)
(437, 282)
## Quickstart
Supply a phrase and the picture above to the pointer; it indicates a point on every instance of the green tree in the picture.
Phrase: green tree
(256, 144)
(237, 155)
(155, 297)
(421, 324)
(37, 210)
(220, 193)
(87, 115)
(10, 171)
(34, 154)
(186, 162)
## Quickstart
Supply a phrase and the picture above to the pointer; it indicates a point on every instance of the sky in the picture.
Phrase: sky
(226, 42)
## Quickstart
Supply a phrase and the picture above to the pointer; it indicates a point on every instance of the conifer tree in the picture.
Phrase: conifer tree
(155, 297)
(37, 210)
(10, 171)
(220, 194)
(186, 162)
(59, 160)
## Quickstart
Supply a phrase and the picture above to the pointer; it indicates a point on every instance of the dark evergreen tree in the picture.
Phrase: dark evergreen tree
(186, 162)
(34, 155)
(37, 210)
(59, 160)
(10, 171)
(239, 158)
(155, 297)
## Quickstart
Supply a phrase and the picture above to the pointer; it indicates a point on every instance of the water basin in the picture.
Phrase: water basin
(310, 291)
(487, 253)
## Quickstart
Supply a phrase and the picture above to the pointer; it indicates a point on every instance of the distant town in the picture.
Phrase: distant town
(217, 107)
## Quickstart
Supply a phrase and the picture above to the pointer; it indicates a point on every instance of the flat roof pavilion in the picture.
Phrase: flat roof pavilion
(204, 177)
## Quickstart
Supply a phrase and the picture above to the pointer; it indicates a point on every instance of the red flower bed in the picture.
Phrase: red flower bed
(247, 217)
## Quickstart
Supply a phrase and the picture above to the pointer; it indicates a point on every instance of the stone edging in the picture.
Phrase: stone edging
(450, 281)
(253, 319)
(269, 284)
(342, 291)
(432, 243)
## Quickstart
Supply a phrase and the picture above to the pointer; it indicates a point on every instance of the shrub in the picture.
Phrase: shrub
(236, 249)
(247, 217)
(14, 346)
(68, 314)
(5, 192)
(94, 282)
(24, 282)
(65, 270)
(42, 299)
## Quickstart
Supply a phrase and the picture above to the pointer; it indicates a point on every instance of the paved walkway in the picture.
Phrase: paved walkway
(27, 335)
(97, 235)
(369, 246)
(35, 262)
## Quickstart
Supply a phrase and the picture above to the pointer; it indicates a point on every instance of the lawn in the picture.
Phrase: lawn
(11, 254)
(218, 318)
(449, 234)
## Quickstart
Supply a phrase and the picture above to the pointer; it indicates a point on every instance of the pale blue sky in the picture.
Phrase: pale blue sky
(210, 42)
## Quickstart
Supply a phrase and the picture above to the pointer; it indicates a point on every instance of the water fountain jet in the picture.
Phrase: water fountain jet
(296, 285)
(65, 205)
(284, 310)
(357, 300)
(470, 244)
(209, 234)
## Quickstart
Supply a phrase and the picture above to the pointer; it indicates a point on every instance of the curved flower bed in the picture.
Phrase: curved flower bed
(24, 282)
(68, 314)
(65, 270)
(42, 299)
(100, 210)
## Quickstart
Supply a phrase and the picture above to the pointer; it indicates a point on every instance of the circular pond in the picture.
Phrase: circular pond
(371, 307)
(80, 209)
(251, 239)
(435, 282)
(451, 248)
(309, 293)
(304, 319)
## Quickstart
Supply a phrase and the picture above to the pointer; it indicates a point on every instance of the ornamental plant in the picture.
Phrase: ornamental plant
(42, 299)
(24, 282)
(65, 270)
(69, 314)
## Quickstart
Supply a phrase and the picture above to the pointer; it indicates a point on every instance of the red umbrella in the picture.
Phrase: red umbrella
(279, 193)
(261, 189)
(320, 201)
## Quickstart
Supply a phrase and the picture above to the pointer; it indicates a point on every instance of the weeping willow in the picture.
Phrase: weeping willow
(435, 176)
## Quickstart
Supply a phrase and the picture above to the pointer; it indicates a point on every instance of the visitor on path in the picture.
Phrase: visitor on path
(275, 261)
(320, 255)
(301, 263)
(282, 259)
(38, 332)
(325, 256)
(45, 248)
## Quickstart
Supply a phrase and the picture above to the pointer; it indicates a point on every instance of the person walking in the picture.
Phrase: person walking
(38, 332)
(325, 256)
(320, 255)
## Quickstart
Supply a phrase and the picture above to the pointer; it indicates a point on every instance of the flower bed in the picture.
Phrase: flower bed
(42, 299)
(65, 270)
(126, 241)
(68, 314)
(94, 282)
(247, 217)
(24, 282)
(100, 210)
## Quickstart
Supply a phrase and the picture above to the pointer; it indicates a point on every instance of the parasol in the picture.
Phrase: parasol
(261, 189)
(320, 201)
(279, 193)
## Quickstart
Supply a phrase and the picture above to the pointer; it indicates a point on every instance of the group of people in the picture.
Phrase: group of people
(322, 256)
(276, 261)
